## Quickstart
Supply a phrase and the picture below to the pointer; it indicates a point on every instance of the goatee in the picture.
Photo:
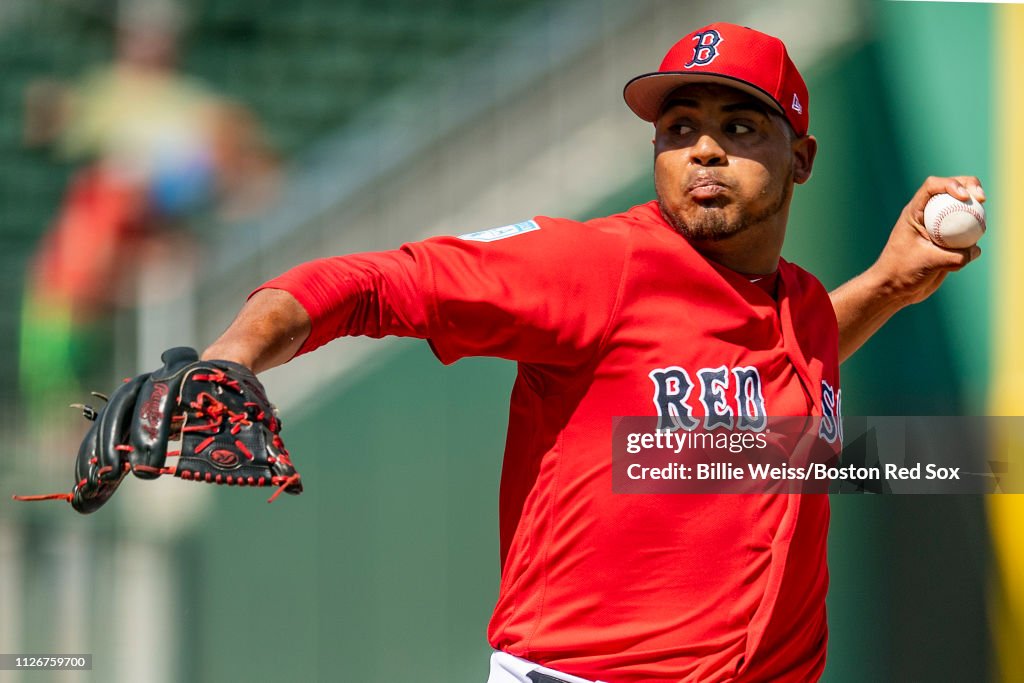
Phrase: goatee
(710, 223)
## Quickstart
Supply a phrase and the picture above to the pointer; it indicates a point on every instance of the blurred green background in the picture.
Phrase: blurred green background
(370, 124)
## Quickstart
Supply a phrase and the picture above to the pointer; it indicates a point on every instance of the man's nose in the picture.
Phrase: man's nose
(707, 152)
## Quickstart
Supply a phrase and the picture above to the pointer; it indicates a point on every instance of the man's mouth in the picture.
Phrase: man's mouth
(707, 188)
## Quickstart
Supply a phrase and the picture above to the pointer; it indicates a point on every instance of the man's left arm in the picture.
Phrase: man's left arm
(908, 270)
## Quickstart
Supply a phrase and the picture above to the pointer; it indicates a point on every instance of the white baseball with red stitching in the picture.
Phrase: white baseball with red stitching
(952, 223)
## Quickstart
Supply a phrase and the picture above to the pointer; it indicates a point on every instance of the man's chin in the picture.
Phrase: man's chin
(706, 224)
(701, 234)
(716, 201)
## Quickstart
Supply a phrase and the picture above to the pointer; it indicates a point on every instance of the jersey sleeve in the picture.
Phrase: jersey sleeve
(543, 291)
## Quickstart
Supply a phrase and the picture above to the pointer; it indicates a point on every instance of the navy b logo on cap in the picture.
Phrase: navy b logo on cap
(706, 49)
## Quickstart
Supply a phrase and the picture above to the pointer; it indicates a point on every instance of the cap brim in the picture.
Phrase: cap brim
(646, 94)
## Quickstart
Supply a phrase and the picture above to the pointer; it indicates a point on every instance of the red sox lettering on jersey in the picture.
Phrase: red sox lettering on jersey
(731, 399)
(744, 409)
(831, 427)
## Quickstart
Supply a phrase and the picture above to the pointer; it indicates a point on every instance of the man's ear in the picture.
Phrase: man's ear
(804, 151)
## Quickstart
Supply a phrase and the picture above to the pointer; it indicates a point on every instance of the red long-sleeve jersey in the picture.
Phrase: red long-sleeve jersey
(621, 588)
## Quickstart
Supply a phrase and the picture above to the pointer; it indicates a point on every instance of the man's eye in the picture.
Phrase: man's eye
(683, 128)
(740, 128)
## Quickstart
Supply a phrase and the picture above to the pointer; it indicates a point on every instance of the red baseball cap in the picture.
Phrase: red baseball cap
(732, 55)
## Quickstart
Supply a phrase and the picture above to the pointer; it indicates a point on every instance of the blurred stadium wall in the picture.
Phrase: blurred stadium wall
(397, 120)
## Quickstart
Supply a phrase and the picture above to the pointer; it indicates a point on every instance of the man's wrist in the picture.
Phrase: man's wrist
(224, 352)
(887, 289)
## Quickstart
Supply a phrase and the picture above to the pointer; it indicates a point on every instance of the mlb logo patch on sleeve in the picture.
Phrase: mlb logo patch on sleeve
(495, 234)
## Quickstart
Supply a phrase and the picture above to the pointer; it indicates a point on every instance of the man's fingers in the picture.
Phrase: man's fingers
(955, 259)
(931, 186)
(962, 187)
(973, 186)
(966, 186)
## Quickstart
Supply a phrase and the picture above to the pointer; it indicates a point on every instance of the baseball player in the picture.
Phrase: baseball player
(679, 307)
(671, 306)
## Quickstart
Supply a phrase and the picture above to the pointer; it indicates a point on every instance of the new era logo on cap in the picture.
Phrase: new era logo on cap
(732, 55)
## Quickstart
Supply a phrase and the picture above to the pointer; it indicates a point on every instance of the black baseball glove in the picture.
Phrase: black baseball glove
(228, 431)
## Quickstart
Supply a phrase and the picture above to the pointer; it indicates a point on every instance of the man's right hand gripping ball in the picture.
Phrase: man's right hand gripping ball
(228, 431)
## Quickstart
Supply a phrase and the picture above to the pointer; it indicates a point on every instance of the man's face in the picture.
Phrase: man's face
(724, 162)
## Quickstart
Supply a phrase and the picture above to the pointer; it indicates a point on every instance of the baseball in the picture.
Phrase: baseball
(953, 223)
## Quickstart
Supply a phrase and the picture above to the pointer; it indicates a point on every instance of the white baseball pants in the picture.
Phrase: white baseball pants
(508, 669)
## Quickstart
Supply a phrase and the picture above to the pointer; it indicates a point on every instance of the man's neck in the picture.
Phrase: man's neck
(755, 251)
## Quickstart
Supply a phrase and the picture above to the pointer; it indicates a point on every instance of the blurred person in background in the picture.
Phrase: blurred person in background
(158, 148)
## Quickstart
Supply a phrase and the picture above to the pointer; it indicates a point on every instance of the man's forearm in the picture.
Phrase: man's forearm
(268, 331)
(862, 306)
(909, 269)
